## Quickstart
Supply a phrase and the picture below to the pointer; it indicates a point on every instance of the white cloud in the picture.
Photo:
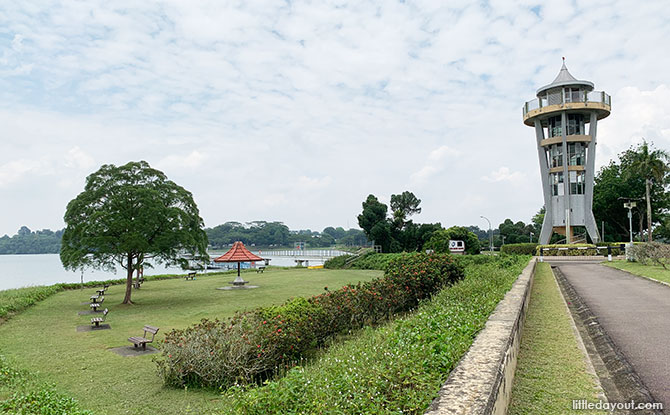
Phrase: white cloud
(311, 183)
(15, 170)
(77, 158)
(504, 174)
(194, 159)
(434, 164)
(342, 99)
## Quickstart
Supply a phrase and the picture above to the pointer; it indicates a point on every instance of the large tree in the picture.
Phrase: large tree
(650, 165)
(403, 206)
(374, 223)
(129, 214)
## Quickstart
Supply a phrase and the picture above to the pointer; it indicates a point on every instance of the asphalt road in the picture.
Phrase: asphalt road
(635, 313)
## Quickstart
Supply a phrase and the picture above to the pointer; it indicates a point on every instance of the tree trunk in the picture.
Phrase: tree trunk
(129, 280)
(640, 215)
(648, 186)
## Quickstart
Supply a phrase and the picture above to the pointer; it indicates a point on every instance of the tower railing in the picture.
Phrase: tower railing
(600, 97)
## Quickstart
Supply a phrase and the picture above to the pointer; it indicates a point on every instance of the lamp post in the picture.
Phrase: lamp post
(531, 237)
(490, 233)
(503, 239)
(630, 206)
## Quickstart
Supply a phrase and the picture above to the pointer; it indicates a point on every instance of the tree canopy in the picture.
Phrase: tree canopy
(26, 241)
(129, 214)
(623, 180)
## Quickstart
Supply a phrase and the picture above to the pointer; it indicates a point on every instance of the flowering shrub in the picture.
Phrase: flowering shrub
(253, 345)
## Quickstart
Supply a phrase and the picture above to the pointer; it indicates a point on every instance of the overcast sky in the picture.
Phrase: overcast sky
(296, 111)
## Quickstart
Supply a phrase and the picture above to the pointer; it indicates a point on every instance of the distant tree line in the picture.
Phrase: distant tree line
(257, 233)
(276, 234)
(31, 242)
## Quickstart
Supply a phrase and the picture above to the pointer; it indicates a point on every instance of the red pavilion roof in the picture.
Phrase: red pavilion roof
(238, 253)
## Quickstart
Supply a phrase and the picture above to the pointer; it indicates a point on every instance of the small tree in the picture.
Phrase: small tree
(129, 214)
(653, 167)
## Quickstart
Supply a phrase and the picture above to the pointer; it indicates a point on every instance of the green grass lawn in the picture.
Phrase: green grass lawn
(655, 272)
(43, 340)
(551, 370)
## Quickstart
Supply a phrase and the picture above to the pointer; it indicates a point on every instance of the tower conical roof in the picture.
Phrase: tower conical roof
(565, 78)
(238, 253)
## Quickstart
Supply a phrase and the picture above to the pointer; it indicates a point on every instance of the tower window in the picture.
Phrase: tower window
(576, 154)
(554, 124)
(556, 155)
(577, 182)
(557, 184)
(575, 124)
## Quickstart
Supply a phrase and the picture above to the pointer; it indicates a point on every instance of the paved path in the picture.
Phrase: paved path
(635, 313)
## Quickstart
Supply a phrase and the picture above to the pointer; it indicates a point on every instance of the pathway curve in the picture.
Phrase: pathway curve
(635, 313)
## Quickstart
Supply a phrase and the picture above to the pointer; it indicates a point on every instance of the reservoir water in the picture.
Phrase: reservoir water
(28, 270)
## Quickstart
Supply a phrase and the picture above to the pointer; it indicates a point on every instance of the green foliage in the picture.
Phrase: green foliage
(374, 223)
(32, 398)
(128, 213)
(338, 262)
(519, 249)
(652, 253)
(17, 300)
(439, 241)
(31, 242)
(403, 206)
(253, 344)
(626, 178)
(590, 251)
(369, 260)
(398, 368)
(517, 232)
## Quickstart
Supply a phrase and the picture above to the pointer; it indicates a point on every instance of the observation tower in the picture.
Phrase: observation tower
(565, 115)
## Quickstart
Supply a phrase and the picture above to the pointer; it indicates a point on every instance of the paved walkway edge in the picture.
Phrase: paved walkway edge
(482, 381)
(617, 376)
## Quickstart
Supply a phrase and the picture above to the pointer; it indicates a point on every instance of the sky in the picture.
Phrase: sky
(295, 111)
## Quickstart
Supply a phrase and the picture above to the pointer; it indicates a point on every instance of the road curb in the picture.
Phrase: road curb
(482, 381)
(617, 376)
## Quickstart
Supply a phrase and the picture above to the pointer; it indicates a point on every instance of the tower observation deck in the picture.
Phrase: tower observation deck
(565, 115)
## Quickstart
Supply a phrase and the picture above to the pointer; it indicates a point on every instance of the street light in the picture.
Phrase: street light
(531, 237)
(503, 238)
(490, 233)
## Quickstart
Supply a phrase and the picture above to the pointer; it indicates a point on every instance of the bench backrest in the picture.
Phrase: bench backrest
(104, 313)
(150, 329)
(191, 274)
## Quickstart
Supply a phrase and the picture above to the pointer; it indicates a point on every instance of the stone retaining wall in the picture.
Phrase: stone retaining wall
(482, 381)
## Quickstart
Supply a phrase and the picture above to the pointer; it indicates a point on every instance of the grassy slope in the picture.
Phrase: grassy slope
(650, 271)
(43, 338)
(551, 371)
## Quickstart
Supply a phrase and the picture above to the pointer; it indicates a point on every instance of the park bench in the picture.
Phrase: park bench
(190, 276)
(142, 341)
(97, 304)
(260, 269)
(138, 282)
(101, 291)
(94, 298)
(97, 320)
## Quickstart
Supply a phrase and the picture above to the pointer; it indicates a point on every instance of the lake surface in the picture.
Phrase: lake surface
(46, 269)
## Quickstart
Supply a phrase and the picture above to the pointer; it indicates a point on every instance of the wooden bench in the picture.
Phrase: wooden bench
(97, 320)
(95, 305)
(260, 269)
(142, 341)
(190, 276)
(101, 291)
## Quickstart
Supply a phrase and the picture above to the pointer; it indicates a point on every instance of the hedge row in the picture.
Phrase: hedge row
(398, 368)
(370, 260)
(589, 251)
(30, 398)
(252, 345)
(519, 249)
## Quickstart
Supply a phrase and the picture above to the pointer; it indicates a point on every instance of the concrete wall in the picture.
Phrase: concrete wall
(482, 381)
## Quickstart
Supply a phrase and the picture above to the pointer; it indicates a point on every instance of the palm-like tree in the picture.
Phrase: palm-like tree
(652, 166)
